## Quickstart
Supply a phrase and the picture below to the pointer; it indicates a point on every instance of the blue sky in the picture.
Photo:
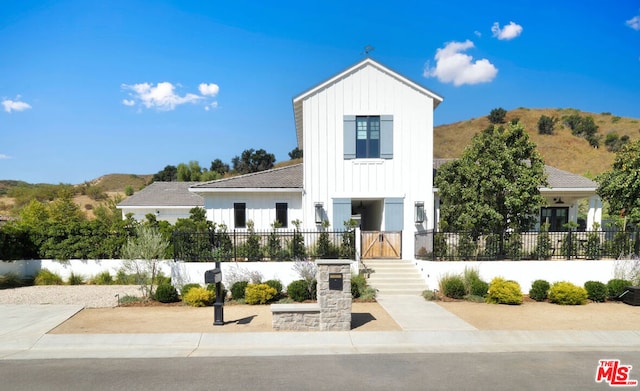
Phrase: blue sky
(89, 88)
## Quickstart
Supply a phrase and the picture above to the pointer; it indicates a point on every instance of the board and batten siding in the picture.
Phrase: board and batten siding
(368, 91)
(260, 208)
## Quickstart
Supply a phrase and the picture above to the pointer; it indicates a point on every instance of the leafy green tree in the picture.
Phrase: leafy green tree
(497, 115)
(494, 186)
(614, 143)
(168, 174)
(620, 186)
(253, 161)
(219, 167)
(295, 153)
(583, 127)
(546, 124)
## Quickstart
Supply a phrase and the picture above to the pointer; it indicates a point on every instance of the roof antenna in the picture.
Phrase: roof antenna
(368, 49)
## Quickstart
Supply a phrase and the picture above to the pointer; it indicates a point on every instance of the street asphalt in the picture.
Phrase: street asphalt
(426, 328)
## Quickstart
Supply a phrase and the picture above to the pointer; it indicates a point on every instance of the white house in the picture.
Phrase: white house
(167, 201)
(367, 137)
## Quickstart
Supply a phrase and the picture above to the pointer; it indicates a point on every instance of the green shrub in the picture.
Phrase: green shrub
(47, 277)
(503, 291)
(166, 293)
(479, 288)
(616, 287)
(596, 291)
(128, 299)
(122, 278)
(275, 284)
(187, 287)
(358, 285)
(10, 280)
(199, 297)
(75, 279)
(368, 294)
(539, 290)
(259, 293)
(238, 289)
(103, 278)
(298, 290)
(161, 279)
(566, 293)
(429, 295)
(452, 286)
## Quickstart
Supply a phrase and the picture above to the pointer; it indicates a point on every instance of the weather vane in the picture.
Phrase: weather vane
(368, 49)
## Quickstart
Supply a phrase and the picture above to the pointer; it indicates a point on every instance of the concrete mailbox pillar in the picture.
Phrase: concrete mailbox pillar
(334, 294)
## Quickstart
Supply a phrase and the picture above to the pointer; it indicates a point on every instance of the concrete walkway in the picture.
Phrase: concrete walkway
(427, 328)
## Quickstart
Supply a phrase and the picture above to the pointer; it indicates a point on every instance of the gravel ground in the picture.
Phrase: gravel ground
(90, 296)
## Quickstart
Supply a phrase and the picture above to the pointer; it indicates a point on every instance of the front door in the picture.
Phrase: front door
(556, 217)
(381, 244)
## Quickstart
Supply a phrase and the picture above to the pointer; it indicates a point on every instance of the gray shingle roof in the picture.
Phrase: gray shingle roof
(164, 194)
(289, 177)
(557, 179)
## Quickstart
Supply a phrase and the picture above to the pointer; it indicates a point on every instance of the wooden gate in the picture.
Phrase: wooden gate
(380, 244)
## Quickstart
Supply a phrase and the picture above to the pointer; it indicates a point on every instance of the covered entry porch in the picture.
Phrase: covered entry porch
(380, 221)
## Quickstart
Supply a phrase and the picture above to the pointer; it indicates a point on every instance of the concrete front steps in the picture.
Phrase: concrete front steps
(394, 277)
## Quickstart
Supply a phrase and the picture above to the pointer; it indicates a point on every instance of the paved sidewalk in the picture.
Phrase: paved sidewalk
(414, 313)
(23, 336)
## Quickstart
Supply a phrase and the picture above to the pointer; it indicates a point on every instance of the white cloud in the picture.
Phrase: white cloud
(634, 23)
(4, 157)
(208, 89)
(478, 33)
(162, 96)
(15, 105)
(510, 31)
(453, 66)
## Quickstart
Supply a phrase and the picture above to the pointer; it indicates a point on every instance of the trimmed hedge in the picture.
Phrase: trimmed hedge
(259, 293)
(503, 291)
(596, 291)
(566, 293)
(539, 290)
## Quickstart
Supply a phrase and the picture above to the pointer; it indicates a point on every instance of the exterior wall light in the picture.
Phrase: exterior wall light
(419, 212)
(319, 212)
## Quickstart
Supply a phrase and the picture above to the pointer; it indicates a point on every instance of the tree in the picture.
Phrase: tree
(583, 127)
(496, 116)
(253, 161)
(168, 174)
(494, 186)
(295, 153)
(219, 167)
(614, 143)
(620, 186)
(142, 255)
(546, 124)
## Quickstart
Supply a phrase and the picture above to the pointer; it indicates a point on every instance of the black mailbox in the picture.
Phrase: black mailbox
(213, 276)
(335, 281)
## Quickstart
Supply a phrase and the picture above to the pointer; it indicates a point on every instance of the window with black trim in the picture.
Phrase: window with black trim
(282, 213)
(239, 215)
(367, 137)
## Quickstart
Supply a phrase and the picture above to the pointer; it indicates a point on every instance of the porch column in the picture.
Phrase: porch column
(595, 212)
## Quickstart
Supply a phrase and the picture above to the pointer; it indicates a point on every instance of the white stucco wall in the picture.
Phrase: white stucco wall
(170, 214)
(524, 272)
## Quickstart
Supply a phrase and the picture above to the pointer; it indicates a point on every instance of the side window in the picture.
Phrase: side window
(239, 215)
(282, 213)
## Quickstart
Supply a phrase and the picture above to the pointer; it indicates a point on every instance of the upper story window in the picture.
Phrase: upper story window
(367, 137)
(239, 215)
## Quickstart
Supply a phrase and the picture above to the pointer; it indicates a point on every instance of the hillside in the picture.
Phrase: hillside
(561, 150)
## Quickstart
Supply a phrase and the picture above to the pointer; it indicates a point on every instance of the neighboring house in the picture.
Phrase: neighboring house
(166, 200)
(563, 193)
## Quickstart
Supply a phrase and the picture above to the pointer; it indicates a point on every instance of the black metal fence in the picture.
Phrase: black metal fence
(466, 246)
(277, 245)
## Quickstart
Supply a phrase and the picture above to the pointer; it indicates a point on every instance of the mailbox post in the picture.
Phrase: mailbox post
(214, 276)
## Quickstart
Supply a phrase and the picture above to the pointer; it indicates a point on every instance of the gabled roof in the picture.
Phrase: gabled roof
(297, 101)
(556, 178)
(160, 194)
(287, 178)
